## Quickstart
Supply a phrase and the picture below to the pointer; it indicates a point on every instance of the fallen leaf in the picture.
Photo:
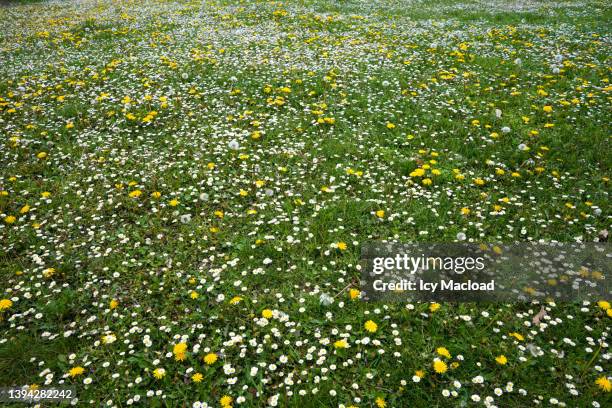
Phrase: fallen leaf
(538, 317)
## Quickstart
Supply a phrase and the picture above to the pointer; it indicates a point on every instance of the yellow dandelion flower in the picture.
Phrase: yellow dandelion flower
(211, 358)
(197, 377)
(179, 348)
(417, 172)
(502, 360)
(371, 326)
(267, 313)
(605, 305)
(74, 371)
(443, 351)
(159, 373)
(341, 344)
(226, 401)
(235, 300)
(354, 293)
(517, 336)
(604, 383)
(5, 304)
(47, 273)
(439, 366)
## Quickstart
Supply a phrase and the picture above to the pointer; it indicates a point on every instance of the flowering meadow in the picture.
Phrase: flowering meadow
(185, 187)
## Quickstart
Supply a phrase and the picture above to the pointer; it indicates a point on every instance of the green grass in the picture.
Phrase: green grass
(403, 85)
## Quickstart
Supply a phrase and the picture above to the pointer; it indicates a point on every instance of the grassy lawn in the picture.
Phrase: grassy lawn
(184, 183)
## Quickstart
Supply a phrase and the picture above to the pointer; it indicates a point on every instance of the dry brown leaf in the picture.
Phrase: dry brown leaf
(538, 317)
